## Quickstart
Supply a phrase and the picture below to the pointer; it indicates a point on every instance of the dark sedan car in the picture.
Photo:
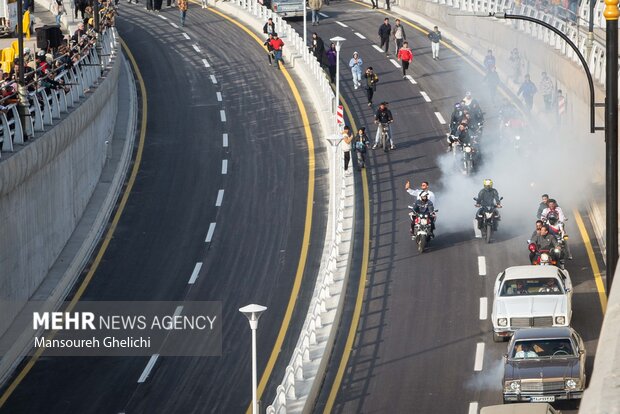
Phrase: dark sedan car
(544, 365)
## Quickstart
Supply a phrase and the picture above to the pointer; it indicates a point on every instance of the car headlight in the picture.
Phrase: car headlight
(571, 384)
(560, 320)
(502, 322)
(515, 386)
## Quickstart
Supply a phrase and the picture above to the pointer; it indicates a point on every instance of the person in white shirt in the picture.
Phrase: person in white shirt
(416, 192)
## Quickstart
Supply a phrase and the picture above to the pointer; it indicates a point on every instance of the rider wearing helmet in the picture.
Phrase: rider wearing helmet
(423, 205)
(487, 197)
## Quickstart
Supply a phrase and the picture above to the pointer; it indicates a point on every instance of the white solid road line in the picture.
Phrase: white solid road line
(440, 118)
(477, 231)
(473, 408)
(219, 96)
(220, 197)
(210, 233)
(223, 115)
(479, 356)
(484, 305)
(225, 140)
(361, 36)
(206, 63)
(395, 63)
(196, 48)
(185, 35)
(425, 96)
(177, 311)
(377, 48)
(342, 24)
(323, 14)
(194, 275)
(224, 166)
(213, 79)
(148, 368)
(482, 263)
(174, 25)
(411, 79)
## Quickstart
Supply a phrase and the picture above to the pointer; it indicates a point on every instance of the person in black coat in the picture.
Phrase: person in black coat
(317, 47)
(385, 30)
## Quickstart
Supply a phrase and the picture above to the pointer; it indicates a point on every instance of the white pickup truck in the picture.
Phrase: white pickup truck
(8, 17)
(286, 8)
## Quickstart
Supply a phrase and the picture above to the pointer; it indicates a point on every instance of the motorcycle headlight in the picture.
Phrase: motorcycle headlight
(467, 149)
(565, 237)
(571, 384)
(560, 320)
(517, 137)
(502, 322)
(544, 257)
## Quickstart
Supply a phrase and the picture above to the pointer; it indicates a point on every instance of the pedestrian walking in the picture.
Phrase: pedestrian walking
(489, 60)
(277, 44)
(157, 5)
(371, 83)
(347, 138)
(356, 69)
(315, 6)
(384, 35)
(361, 147)
(435, 38)
(527, 91)
(269, 27)
(374, 4)
(317, 47)
(387, 4)
(546, 89)
(399, 36)
(267, 44)
(332, 60)
(491, 80)
(405, 55)
(182, 10)
(57, 9)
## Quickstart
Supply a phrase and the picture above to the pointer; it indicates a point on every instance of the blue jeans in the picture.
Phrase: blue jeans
(278, 57)
(183, 13)
(58, 19)
(378, 136)
(315, 16)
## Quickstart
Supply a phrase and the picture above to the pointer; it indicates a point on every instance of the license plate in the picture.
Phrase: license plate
(543, 399)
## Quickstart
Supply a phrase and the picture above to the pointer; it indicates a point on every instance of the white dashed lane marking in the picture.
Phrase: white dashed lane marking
(411, 79)
(194, 276)
(223, 115)
(482, 263)
(148, 368)
(425, 96)
(225, 140)
(361, 36)
(440, 119)
(185, 35)
(162, 17)
(224, 166)
(395, 63)
(323, 14)
(219, 96)
(220, 198)
(213, 79)
(342, 24)
(196, 48)
(210, 233)
(378, 49)
(473, 408)
(483, 308)
(174, 25)
(479, 356)
(206, 63)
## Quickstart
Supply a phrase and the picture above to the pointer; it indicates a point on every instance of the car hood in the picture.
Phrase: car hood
(541, 368)
(529, 306)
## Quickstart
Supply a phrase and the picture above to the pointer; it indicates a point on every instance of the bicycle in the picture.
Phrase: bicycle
(385, 136)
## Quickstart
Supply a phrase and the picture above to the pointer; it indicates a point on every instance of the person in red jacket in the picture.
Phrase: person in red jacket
(276, 45)
(406, 57)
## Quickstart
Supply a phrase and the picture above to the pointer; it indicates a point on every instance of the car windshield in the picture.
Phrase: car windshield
(537, 286)
(542, 348)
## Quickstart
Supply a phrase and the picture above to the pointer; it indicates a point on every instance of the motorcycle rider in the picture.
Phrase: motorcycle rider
(384, 116)
(539, 225)
(457, 116)
(424, 206)
(487, 197)
(416, 192)
(543, 241)
(476, 118)
(543, 205)
(552, 207)
(554, 217)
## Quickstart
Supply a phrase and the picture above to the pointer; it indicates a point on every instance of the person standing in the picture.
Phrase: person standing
(406, 57)
(384, 35)
(269, 27)
(156, 5)
(361, 146)
(435, 38)
(277, 44)
(489, 60)
(387, 4)
(371, 83)
(546, 88)
(491, 79)
(398, 33)
(57, 9)
(315, 6)
(332, 60)
(317, 47)
(182, 10)
(527, 90)
(374, 5)
(267, 44)
(356, 69)
(347, 137)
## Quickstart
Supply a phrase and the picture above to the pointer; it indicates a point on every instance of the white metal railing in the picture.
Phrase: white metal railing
(47, 105)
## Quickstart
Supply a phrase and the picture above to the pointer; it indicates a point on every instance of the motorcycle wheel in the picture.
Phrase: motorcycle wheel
(468, 167)
(489, 232)
(421, 244)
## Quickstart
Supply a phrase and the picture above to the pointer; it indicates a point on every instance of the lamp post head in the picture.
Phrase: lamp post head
(253, 312)
(334, 140)
(338, 40)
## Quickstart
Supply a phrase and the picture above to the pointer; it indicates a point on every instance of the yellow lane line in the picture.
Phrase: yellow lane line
(309, 205)
(362, 283)
(108, 237)
(600, 287)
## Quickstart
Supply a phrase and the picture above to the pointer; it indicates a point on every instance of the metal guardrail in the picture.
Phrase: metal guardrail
(596, 60)
(44, 107)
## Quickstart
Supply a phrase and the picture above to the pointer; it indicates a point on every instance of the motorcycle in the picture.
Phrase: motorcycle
(420, 228)
(556, 229)
(467, 152)
(546, 257)
(469, 156)
(488, 216)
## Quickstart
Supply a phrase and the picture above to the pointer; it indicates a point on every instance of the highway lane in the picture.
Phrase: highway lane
(253, 253)
(416, 343)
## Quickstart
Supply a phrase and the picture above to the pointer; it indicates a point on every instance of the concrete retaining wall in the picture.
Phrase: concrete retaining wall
(45, 187)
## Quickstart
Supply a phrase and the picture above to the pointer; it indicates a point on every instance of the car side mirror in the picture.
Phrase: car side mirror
(582, 351)
(505, 356)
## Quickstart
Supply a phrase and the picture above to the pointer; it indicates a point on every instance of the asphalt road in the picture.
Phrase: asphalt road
(255, 250)
(416, 342)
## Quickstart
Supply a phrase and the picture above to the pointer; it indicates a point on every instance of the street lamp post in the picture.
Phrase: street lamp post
(334, 140)
(305, 25)
(338, 41)
(253, 312)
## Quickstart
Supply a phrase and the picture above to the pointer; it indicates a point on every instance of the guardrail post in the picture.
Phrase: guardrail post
(7, 139)
(47, 109)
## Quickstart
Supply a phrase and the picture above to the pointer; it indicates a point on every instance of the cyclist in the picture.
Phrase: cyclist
(384, 117)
